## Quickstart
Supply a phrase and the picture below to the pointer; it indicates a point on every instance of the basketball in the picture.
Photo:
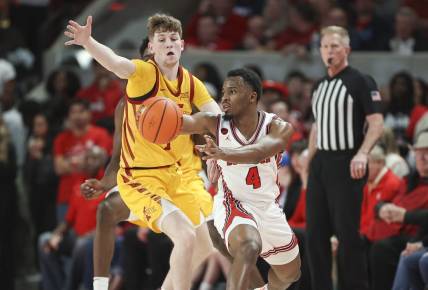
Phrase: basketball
(160, 120)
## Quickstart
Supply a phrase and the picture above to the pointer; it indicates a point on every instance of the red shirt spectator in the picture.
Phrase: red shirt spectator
(298, 219)
(82, 213)
(103, 94)
(384, 188)
(417, 112)
(73, 147)
(232, 27)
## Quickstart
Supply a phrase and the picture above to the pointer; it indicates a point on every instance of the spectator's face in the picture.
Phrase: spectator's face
(166, 47)
(274, 9)
(364, 6)
(40, 126)
(337, 16)
(222, 7)
(281, 110)
(100, 73)
(269, 97)
(334, 52)
(256, 26)
(374, 166)
(60, 82)
(79, 116)
(404, 26)
(295, 86)
(421, 156)
(207, 30)
(7, 97)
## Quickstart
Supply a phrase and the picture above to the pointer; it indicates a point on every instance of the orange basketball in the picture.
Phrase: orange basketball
(160, 120)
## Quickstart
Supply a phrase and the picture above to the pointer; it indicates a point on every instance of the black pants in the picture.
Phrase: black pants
(384, 256)
(333, 206)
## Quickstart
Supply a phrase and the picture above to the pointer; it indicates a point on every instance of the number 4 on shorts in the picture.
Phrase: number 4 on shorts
(253, 177)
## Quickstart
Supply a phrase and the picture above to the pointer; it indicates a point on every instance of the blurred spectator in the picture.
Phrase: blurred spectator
(420, 100)
(400, 105)
(412, 270)
(10, 36)
(407, 39)
(70, 147)
(39, 176)
(255, 38)
(297, 37)
(339, 16)
(295, 81)
(385, 253)
(70, 236)
(103, 94)
(225, 17)
(371, 29)
(8, 208)
(209, 74)
(61, 86)
(216, 265)
(382, 186)
(207, 35)
(420, 7)
(272, 92)
(281, 109)
(135, 262)
(248, 7)
(159, 250)
(393, 160)
(274, 20)
(11, 116)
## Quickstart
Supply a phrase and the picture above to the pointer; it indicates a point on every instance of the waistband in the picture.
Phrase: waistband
(148, 168)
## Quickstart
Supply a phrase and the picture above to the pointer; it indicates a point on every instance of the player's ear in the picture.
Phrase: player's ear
(182, 45)
(253, 97)
(150, 47)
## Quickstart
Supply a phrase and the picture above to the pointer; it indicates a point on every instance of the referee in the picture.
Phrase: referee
(346, 106)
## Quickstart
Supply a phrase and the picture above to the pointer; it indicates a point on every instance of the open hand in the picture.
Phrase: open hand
(92, 188)
(79, 34)
(211, 149)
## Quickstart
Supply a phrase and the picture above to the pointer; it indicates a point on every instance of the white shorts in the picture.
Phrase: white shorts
(167, 208)
(279, 244)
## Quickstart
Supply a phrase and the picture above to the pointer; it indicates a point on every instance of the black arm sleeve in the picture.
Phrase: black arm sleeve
(416, 217)
(369, 96)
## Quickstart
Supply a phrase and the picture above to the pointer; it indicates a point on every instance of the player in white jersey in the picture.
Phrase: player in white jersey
(245, 210)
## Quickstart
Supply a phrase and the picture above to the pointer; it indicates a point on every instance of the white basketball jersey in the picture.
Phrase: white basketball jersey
(247, 182)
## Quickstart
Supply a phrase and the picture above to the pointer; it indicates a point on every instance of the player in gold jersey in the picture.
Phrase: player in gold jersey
(149, 175)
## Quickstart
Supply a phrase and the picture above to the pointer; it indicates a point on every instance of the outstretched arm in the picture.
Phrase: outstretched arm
(81, 35)
(199, 123)
(268, 146)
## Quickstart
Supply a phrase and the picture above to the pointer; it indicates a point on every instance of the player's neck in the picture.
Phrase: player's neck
(170, 72)
(247, 123)
(79, 131)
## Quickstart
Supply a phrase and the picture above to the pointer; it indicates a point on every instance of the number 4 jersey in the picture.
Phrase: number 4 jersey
(252, 183)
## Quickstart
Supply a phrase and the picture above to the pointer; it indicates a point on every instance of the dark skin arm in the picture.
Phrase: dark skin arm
(92, 188)
(268, 146)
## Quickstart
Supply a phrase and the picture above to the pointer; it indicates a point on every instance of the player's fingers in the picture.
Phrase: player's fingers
(71, 29)
(74, 24)
(89, 20)
(69, 34)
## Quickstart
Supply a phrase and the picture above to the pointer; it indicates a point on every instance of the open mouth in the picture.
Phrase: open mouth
(170, 53)
(330, 60)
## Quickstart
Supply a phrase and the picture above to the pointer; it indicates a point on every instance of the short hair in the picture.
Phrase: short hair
(377, 153)
(333, 29)
(143, 47)
(163, 23)
(250, 78)
(79, 102)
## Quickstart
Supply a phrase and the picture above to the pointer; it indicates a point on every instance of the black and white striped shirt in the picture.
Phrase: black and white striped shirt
(340, 105)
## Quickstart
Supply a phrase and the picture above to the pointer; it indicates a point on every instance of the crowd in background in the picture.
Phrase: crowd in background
(47, 148)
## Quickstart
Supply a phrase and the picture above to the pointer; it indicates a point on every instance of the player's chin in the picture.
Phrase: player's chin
(227, 116)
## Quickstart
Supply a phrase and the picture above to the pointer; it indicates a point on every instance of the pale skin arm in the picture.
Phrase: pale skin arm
(312, 146)
(81, 35)
(358, 164)
(212, 107)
